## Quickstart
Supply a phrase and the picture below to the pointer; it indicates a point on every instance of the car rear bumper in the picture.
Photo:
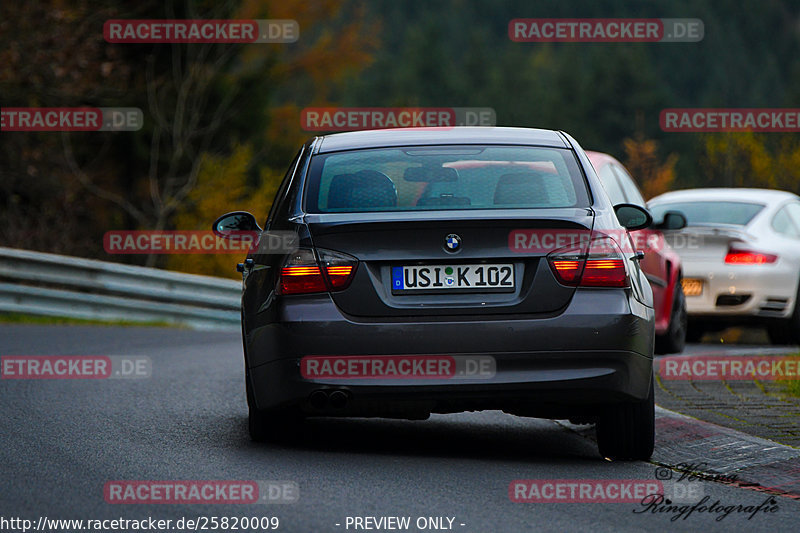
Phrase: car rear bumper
(597, 352)
(550, 385)
(765, 291)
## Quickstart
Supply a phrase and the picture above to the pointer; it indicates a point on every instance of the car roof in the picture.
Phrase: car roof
(439, 136)
(722, 193)
(599, 159)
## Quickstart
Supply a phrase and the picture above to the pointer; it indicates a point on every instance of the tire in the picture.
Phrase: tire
(787, 331)
(270, 426)
(627, 431)
(674, 340)
(257, 425)
(780, 333)
(694, 332)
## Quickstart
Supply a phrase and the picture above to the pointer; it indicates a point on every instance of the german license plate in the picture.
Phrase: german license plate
(473, 278)
(692, 286)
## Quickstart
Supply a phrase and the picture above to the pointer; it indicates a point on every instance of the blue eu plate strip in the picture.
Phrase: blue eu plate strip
(397, 277)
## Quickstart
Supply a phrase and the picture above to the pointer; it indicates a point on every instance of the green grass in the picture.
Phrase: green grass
(791, 386)
(22, 318)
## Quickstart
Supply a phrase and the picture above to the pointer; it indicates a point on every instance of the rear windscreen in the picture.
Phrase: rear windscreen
(445, 178)
(703, 213)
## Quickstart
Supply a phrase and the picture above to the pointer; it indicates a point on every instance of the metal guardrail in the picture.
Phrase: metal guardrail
(56, 285)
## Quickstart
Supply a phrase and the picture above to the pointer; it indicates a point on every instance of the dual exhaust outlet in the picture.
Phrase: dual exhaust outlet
(322, 398)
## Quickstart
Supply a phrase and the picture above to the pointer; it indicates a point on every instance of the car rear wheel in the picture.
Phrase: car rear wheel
(273, 426)
(779, 333)
(694, 332)
(257, 425)
(787, 331)
(674, 340)
(627, 431)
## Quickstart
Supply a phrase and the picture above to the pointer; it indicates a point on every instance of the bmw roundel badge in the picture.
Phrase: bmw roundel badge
(452, 243)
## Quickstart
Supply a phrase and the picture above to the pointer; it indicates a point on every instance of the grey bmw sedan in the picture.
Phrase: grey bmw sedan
(448, 270)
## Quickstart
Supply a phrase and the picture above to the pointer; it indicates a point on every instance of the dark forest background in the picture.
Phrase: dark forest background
(222, 122)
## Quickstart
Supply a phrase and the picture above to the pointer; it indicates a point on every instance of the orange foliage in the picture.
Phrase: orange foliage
(653, 176)
(222, 186)
(310, 69)
(315, 64)
(752, 160)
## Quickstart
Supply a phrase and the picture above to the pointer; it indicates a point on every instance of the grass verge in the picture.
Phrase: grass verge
(22, 318)
(791, 385)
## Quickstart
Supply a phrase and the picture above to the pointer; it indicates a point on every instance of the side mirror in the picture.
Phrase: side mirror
(673, 220)
(233, 223)
(632, 217)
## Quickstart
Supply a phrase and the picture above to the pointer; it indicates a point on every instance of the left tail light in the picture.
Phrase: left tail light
(304, 274)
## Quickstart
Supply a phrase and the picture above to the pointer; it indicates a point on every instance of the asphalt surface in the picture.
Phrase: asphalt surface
(61, 441)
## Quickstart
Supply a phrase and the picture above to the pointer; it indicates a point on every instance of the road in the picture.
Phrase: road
(63, 440)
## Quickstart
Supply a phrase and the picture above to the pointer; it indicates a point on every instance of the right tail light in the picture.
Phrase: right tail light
(748, 257)
(601, 265)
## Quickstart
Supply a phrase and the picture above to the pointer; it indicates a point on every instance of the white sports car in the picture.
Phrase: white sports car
(741, 258)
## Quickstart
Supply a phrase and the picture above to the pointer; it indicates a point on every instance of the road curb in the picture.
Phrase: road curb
(709, 449)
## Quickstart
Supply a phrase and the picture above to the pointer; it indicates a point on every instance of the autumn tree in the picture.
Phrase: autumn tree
(222, 185)
(748, 159)
(643, 162)
(203, 104)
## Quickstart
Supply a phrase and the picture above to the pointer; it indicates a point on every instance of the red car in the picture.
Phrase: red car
(661, 264)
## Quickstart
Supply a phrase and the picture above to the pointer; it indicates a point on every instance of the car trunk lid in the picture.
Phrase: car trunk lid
(405, 261)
